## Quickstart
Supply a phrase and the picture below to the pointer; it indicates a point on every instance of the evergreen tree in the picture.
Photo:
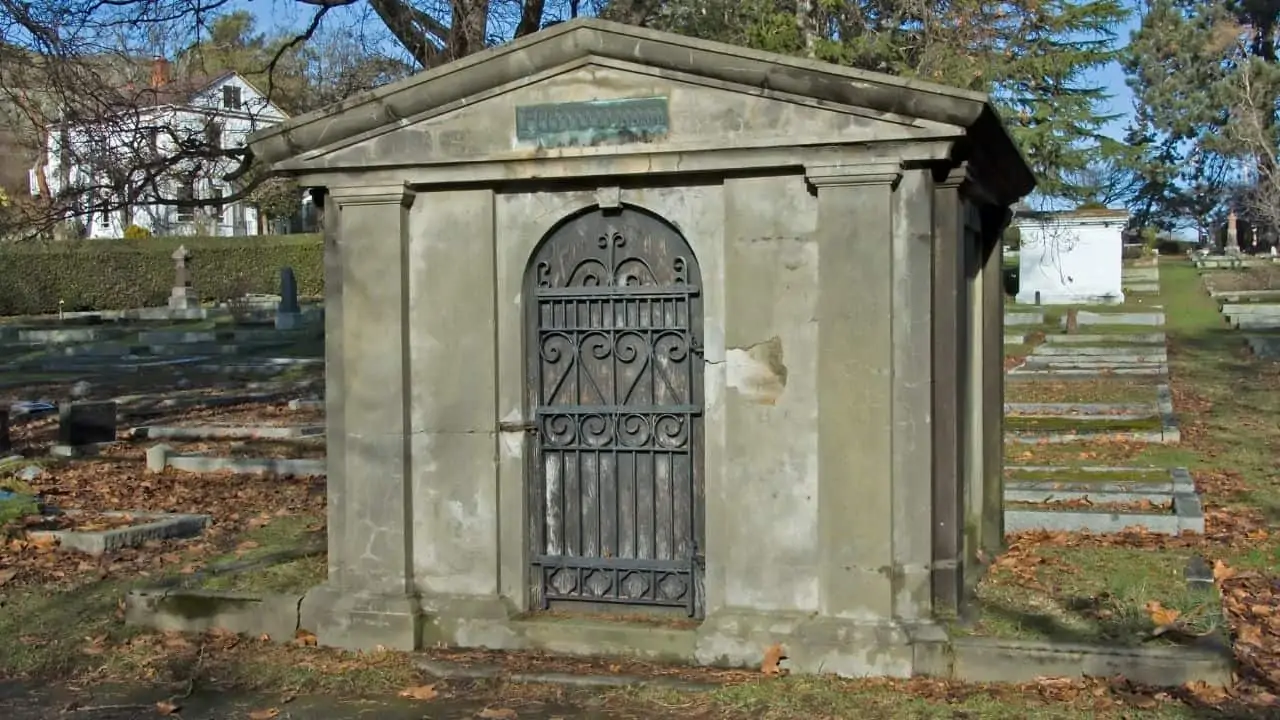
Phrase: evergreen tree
(1033, 55)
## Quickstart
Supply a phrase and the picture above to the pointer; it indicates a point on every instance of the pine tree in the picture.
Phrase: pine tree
(1055, 112)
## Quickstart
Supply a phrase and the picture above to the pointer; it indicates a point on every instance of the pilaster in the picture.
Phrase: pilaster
(368, 391)
(855, 374)
(912, 381)
(950, 358)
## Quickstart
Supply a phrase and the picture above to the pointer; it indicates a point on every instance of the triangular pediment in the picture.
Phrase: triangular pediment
(598, 105)
(714, 94)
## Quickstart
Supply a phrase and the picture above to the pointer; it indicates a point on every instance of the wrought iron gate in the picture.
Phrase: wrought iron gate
(615, 385)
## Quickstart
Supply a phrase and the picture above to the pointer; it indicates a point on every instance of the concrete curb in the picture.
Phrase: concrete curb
(1019, 661)
(163, 526)
(159, 458)
(1169, 421)
(224, 432)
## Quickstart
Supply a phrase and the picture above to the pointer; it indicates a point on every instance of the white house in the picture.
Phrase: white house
(1071, 258)
(159, 143)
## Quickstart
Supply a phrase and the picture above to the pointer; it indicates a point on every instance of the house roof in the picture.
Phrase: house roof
(175, 92)
(586, 37)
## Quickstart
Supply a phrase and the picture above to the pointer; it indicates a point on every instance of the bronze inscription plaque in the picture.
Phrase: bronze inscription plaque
(594, 122)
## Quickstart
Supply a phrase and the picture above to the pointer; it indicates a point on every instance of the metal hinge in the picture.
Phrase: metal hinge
(695, 345)
(526, 426)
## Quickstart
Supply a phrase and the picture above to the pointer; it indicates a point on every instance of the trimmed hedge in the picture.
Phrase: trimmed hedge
(125, 274)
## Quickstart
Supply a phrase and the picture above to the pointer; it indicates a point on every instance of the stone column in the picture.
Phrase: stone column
(994, 221)
(974, 398)
(912, 335)
(950, 358)
(855, 377)
(1233, 240)
(369, 599)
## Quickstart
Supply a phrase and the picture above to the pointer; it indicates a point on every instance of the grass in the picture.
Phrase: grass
(293, 533)
(290, 576)
(1082, 390)
(1091, 595)
(809, 697)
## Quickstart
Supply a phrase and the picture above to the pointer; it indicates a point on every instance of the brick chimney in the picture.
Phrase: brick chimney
(159, 71)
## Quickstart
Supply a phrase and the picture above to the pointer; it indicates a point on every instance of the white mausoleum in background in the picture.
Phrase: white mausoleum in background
(1070, 258)
(117, 166)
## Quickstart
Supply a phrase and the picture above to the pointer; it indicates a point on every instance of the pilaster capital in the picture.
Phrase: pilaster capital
(957, 176)
(963, 178)
(882, 173)
(350, 195)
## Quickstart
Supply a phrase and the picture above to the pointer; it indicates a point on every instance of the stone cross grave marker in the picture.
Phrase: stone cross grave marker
(288, 312)
(82, 424)
(183, 296)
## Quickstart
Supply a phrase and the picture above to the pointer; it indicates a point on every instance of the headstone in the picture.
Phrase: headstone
(1073, 321)
(288, 312)
(1233, 242)
(82, 424)
(183, 296)
(5, 444)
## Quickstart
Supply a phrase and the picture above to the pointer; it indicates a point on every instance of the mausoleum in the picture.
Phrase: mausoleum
(623, 323)
(1071, 258)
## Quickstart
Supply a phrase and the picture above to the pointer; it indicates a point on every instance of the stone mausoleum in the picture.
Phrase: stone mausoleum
(1071, 258)
(622, 323)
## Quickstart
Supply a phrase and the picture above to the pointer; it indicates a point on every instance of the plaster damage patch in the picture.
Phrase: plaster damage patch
(757, 372)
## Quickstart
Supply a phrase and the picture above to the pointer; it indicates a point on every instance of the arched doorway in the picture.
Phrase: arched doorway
(614, 386)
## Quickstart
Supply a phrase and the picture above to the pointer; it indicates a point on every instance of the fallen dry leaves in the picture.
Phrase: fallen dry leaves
(773, 656)
(500, 713)
(420, 692)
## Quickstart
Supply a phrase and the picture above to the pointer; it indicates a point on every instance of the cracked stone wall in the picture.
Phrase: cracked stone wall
(759, 274)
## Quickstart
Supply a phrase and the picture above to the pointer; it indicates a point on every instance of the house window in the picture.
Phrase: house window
(230, 97)
(213, 134)
(187, 194)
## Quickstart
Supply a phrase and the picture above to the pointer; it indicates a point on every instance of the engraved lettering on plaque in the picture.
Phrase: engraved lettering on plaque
(594, 122)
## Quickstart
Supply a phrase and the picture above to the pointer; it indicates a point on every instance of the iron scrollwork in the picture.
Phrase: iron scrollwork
(617, 410)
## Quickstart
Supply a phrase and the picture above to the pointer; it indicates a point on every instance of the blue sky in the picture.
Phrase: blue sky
(1112, 77)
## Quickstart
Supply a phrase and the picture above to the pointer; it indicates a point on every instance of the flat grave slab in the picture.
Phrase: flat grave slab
(1022, 372)
(1023, 318)
(1245, 296)
(1085, 317)
(1084, 352)
(1102, 500)
(161, 457)
(145, 526)
(224, 432)
(306, 404)
(1157, 338)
